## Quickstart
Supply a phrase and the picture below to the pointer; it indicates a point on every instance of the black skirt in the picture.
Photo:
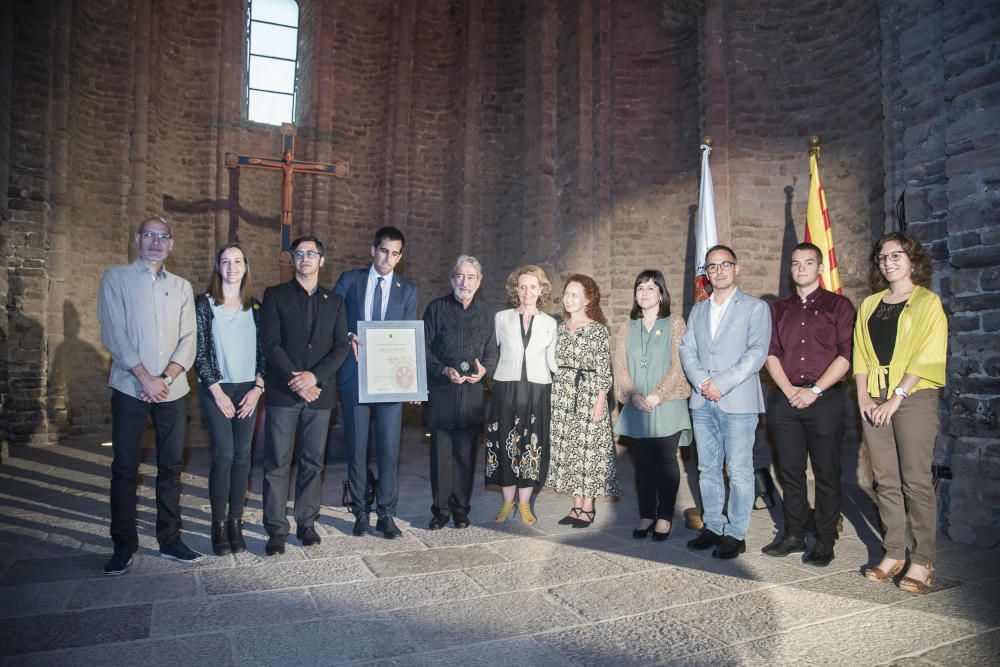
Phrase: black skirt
(517, 434)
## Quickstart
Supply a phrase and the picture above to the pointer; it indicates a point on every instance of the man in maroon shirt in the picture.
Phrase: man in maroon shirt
(809, 355)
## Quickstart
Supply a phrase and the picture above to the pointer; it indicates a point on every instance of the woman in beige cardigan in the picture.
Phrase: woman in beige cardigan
(650, 384)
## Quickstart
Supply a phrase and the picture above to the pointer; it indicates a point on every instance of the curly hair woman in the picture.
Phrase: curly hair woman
(900, 347)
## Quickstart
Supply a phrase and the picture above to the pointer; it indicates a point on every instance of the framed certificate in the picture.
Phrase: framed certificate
(392, 366)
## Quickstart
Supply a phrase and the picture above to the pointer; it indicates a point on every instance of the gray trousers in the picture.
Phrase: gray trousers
(901, 455)
(283, 424)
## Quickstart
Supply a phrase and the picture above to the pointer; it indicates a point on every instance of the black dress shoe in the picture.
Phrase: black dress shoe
(234, 533)
(460, 520)
(119, 562)
(729, 547)
(660, 537)
(788, 544)
(388, 528)
(362, 525)
(308, 536)
(220, 542)
(706, 538)
(820, 556)
(275, 545)
(438, 522)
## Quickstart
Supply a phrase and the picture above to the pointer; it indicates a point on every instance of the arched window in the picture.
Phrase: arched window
(272, 45)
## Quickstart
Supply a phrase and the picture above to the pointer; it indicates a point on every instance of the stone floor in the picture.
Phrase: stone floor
(508, 594)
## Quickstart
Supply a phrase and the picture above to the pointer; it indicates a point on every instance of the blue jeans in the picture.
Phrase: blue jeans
(725, 436)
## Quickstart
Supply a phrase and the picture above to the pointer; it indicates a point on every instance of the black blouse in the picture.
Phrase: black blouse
(882, 327)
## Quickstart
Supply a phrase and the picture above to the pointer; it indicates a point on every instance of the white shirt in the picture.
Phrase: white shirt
(387, 281)
(716, 312)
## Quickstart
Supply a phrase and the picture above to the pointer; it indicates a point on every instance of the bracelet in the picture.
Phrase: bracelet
(259, 386)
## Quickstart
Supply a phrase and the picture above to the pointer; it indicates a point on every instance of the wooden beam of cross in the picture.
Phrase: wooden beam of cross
(288, 166)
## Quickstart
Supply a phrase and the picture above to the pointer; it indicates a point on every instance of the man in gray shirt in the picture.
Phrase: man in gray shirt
(147, 323)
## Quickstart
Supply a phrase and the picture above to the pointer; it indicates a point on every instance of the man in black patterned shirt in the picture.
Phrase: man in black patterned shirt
(461, 352)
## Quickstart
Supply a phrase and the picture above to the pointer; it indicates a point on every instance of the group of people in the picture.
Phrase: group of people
(555, 381)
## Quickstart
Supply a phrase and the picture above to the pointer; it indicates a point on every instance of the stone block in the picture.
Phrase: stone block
(29, 599)
(432, 560)
(516, 651)
(482, 619)
(543, 573)
(284, 574)
(981, 649)
(892, 631)
(976, 256)
(47, 632)
(636, 640)
(108, 592)
(54, 569)
(202, 649)
(323, 642)
(976, 603)
(220, 612)
(635, 593)
(991, 321)
(395, 593)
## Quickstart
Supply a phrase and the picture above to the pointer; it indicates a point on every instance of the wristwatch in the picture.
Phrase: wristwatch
(816, 390)
(902, 393)
(259, 386)
(166, 378)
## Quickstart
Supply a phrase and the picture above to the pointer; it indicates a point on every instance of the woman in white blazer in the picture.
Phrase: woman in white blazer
(517, 431)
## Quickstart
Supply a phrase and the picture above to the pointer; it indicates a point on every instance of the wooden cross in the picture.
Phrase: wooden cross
(288, 166)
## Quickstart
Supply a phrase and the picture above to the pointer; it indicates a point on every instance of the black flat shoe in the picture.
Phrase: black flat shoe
(729, 547)
(788, 544)
(705, 540)
(820, 556)
(642, 533)
(660, 537)
(275, 545)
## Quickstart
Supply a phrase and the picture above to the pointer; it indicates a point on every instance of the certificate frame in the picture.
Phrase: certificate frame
(390, 348)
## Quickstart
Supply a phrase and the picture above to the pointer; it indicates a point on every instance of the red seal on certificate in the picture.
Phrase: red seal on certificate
(405, 377)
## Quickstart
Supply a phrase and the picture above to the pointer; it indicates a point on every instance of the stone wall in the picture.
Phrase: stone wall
(6, 58)
(942, 90)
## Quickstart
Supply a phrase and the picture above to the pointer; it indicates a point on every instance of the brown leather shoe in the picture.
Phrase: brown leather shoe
(877, 574)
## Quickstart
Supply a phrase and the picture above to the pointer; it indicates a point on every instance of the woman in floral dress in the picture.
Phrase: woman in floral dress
(582, 457)
(517, 432)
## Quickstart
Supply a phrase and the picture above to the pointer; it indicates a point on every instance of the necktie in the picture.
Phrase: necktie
(377, 300)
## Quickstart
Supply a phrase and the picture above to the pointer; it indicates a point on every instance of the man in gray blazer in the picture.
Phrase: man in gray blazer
(722, 351)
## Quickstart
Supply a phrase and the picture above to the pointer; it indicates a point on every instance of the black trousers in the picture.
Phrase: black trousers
(815, 432)
(229, 475)
(128, 422)
(453, 468)
(283, 424)
(657, 475)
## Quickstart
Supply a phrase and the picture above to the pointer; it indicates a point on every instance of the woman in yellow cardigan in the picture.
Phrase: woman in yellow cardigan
(900, 345)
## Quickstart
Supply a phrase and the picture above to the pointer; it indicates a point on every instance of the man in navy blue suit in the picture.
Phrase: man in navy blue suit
(374, 293)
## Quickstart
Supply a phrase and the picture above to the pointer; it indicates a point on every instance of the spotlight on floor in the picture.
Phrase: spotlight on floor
(105, 444)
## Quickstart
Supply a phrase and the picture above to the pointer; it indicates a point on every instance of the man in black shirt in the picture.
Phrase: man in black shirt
(304, 337)
(461, 351)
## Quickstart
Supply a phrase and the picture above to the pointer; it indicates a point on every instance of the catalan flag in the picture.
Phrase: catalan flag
(818, 228)
(705, 229)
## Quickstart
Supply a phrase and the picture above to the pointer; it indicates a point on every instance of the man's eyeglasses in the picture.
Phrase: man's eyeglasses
(149, 236)
(302, 254)
(721, 266)
(895, 256)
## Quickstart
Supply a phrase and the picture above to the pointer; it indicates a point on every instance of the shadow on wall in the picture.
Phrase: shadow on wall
(78, 373)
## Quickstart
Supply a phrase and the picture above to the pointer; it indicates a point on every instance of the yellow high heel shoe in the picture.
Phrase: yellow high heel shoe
(504, 513)
(877, 574)
(911, 585)
(524, 509)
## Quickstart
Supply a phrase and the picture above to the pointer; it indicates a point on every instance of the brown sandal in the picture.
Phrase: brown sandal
(877, 574)
(911, 585)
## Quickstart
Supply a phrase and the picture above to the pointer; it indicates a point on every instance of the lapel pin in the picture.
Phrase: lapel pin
(398, 284)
